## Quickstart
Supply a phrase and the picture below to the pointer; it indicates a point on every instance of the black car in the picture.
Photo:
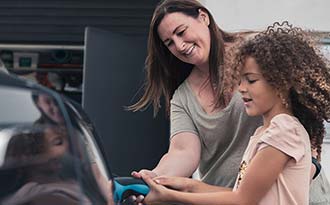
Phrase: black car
(50, 153)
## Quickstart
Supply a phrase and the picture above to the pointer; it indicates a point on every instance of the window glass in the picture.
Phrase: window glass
(93, 162)
(37, 165)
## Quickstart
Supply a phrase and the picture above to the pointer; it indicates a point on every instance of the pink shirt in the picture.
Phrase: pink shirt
(288, 135)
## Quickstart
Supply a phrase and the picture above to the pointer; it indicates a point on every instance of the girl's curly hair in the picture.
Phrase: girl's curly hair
(292, 64)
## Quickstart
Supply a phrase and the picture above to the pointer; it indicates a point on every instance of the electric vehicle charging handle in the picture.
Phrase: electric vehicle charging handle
(128, 186)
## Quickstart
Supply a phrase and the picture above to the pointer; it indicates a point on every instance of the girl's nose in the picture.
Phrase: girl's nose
(241, 87)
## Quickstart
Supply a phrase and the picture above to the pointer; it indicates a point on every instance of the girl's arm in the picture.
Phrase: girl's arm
(188, 185)
(260, 175)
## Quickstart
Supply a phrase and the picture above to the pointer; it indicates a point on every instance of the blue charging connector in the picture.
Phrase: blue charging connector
(128, 186)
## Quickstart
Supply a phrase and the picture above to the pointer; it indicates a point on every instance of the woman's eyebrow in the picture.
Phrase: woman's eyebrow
(174, 31)
(179, 26)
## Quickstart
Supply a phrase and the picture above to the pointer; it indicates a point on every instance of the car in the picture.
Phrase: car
(50, 152)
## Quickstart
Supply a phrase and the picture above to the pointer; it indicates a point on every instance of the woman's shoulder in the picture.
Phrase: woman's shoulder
(183, 91)
(183, 88)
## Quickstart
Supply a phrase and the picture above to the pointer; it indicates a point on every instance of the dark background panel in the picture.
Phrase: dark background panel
(64, 21)
(113, 73)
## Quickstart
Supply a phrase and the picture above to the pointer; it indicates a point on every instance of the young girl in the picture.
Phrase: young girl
(285, 81)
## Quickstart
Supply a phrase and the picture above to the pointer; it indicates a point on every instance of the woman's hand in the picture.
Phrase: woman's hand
(145, 172)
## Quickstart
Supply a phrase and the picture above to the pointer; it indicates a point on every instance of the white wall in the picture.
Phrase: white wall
(234, 15)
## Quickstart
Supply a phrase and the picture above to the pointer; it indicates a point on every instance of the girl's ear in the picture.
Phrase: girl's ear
(204, 17)
(284, 98)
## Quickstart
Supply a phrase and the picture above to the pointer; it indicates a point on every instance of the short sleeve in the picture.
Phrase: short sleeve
(286, 134)
(181, 121)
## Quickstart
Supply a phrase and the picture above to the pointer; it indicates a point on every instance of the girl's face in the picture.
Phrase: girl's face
(57, 142)
(259, 97)
(186, 37)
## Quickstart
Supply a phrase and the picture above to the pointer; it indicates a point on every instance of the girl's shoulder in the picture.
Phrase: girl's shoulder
(286, 127)
(285, 123)
(284, 116)
(288, 135)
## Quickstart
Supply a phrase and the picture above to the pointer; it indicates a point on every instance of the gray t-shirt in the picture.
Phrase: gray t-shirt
(223, 135)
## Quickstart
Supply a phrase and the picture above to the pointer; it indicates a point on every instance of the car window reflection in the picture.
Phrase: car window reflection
(38, 164)
(37, 157)
(41, 162)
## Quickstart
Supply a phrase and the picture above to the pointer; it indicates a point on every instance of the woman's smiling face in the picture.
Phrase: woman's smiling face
(186, 37)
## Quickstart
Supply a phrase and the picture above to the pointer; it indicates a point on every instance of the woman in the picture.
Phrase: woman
(187, 56)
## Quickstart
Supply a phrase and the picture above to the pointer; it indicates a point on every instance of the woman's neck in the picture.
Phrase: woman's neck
(198, 80)
(200, 74)
(203, 68)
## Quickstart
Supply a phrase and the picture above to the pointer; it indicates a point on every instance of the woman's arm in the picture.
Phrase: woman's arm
(182, 158)
(260, 175)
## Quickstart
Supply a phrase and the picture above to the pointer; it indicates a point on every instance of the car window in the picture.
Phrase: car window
(37, 162)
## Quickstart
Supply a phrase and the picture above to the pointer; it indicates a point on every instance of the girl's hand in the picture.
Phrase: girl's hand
(158, 194)
(138, 200)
